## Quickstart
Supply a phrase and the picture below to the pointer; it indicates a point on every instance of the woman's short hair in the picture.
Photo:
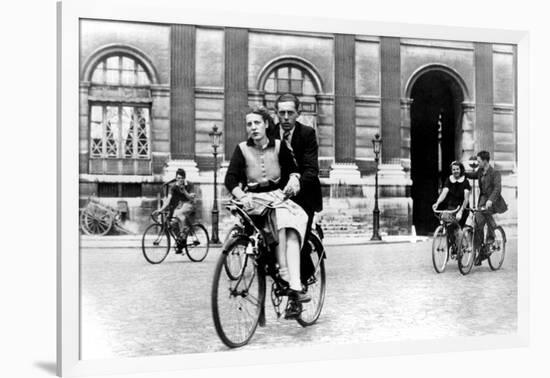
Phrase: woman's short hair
(261, 111)
(180, 172)
(459, 165)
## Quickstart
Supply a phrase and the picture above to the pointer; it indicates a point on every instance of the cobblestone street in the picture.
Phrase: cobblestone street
(375, 292)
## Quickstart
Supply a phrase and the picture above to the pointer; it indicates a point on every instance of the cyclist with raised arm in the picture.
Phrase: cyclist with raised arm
(180, 202)
(490, 199)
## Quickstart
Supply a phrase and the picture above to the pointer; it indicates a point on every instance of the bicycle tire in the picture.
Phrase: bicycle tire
(197, 243)
(466, 250)
(312, 310)
(498, 249)
(440, 252)
(228, 317)
(155, 243)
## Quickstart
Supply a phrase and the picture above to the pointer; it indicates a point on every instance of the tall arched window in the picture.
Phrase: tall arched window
(292, 78)
(120, 104)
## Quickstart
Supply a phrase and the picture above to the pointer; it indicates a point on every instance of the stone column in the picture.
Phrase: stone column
(484, 97)
(344, 168)
(236, 87)
(406, 132)
(468, 137)
(182, 101)
(395, 127)
(390, 65)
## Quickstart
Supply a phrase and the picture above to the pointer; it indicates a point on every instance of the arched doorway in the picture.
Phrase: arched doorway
(436, 132)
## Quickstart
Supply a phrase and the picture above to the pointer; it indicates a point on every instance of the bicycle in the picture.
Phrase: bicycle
(444, 244)
(239, 284)
(494, 251)
(156, 240)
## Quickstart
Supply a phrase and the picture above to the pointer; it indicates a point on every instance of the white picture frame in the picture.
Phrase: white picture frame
(69, 13)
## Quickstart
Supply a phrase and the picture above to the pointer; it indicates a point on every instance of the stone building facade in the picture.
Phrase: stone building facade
(150, 94)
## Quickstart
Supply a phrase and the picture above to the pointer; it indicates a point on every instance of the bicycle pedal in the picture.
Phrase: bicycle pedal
(293, 310)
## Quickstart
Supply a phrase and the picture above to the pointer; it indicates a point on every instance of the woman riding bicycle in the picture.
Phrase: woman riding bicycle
(262, 171)
(455, 194)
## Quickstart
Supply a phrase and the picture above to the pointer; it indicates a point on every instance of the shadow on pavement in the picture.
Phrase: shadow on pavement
(49, 367)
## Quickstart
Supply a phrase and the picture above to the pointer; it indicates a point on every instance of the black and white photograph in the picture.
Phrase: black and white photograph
(255, 188)
(241, 186)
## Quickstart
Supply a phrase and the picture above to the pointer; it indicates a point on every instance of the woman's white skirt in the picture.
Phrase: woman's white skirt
(287, 212)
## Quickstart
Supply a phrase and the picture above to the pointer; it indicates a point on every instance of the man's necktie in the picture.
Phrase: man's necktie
(286, 137)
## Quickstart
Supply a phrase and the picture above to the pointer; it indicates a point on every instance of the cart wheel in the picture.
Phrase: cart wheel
(96, 220)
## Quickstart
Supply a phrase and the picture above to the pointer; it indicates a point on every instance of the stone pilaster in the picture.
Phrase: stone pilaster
(406, 132)
(344, 169)
(484, 133)
(236, 87)
(468, 137)
(390, 66)
(182, 92)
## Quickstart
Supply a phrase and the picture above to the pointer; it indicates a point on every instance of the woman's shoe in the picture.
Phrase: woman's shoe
(299, 296)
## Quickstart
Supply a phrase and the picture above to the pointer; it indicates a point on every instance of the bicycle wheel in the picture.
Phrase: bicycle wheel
(155, 243)
(237, 304)
(497, 250)
(316, 286)
(197, 243)
(466, 253)
(440, 249)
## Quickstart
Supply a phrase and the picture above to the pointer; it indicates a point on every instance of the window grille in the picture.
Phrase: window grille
(119, 131)
(120, 70)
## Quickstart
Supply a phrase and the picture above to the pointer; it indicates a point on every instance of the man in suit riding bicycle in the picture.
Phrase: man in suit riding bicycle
(302, 142)
(490, 198)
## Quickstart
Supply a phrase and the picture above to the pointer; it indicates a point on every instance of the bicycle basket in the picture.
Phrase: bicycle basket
(448, 218)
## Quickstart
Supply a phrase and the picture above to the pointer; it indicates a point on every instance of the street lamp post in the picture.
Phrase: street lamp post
(215, 136)
(376, 143)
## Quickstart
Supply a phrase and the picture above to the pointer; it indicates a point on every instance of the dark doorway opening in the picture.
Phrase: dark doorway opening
(435, 141)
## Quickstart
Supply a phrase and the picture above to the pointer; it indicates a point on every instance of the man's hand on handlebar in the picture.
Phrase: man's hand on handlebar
(292, 187)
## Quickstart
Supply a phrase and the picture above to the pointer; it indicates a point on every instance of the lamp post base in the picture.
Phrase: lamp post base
(376, 224)
(215, 216)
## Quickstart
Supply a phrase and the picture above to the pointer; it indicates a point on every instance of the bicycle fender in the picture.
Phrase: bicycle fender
(318, 245)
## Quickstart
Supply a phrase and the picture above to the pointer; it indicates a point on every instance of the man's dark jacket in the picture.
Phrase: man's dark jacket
(305, 149)
(489, 188)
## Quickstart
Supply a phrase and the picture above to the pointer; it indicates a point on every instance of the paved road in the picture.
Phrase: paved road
(375, 293)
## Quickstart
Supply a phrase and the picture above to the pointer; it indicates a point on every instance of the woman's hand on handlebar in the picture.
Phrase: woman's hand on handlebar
(247, 201)
(459, 215)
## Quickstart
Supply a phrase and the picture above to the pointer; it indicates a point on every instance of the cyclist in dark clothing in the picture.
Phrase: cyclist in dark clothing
(455, 193)
(490, 199)
(180, 201)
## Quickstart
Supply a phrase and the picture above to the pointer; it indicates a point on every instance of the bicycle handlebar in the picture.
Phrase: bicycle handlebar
(155, 217)
(477, 209)
(446, 211)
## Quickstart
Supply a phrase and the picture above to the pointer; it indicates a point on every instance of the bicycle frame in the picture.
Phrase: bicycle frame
(258, 249)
